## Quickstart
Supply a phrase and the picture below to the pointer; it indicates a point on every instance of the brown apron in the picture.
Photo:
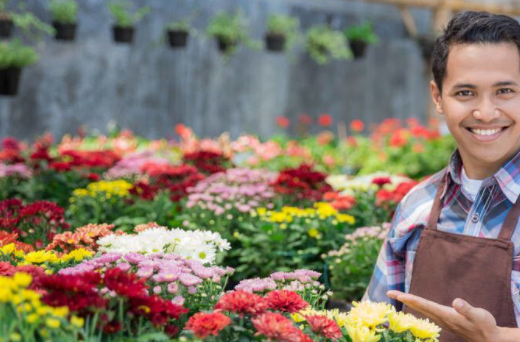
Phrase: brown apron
(478, 270)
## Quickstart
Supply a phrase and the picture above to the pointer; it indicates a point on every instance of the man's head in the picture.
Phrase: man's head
(476, 70)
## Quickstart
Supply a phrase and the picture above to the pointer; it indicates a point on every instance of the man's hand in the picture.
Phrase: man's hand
(472, 324)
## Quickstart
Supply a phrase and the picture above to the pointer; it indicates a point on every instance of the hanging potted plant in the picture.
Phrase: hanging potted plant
(324, 44)
(359, 36)
(125, 20)
(229, 31)
(6, 22)
(282, 31)
(13, 57)
(177, 33)
(64, 18)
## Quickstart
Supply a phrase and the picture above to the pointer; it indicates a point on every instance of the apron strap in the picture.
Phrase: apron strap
(508, 227)
(433, 219)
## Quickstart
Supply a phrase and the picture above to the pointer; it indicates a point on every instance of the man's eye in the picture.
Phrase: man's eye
(464, 93)
(505, 91)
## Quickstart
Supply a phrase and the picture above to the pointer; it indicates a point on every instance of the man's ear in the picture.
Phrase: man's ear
(436, 97)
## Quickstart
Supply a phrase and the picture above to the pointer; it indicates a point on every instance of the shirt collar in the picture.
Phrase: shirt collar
(507, 177)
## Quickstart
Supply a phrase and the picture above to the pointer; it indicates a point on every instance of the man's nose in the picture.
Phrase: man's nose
(486, 111)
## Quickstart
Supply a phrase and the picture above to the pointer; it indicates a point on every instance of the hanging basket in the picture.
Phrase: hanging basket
(9, 81)
(65, 32)
(123, 34)
(224, 45)
(358, 48)
(275, 42)
(178, 39)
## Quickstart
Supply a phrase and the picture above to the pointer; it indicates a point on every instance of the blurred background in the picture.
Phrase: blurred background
(148, 86)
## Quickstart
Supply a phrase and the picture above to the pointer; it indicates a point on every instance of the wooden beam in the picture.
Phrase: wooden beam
(508, 8)
(409, 21)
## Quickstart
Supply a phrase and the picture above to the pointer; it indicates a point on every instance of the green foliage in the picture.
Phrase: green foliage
(3, 5)
(324, 44)
(231, 29)
(64, 11)
(14, 54)
(286, 26)
(121, 11)
(180, 25)
(363, 33)
(31, 26)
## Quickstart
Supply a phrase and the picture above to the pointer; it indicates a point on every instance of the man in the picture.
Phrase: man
(453, 253)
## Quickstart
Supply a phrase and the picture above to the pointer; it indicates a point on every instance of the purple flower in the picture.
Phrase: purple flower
(189, 280)
(179, 300)
(173, 288)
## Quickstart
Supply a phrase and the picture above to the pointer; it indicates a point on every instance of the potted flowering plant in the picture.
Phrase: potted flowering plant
(281, 32)
(6, 22)
(324, 44)
(229, 31)
(178, 32)
(64, 18)
(123, 28)
(359, 36)
(13, 57)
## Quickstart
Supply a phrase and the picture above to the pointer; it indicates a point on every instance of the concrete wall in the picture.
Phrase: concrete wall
(149, 87)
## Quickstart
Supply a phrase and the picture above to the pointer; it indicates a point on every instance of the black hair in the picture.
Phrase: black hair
(472, 28)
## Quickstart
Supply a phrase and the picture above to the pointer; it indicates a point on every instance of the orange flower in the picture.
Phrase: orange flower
(357, 125)
(282, 121)
(205, 324)
(325, 120)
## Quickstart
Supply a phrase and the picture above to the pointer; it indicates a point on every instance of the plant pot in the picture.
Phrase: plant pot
(224, 45)
(9, 81)
(65, 32)
(123, 34)
(275, 42)
(426, 44)
(178, 39)
(6, 27)
(358, 48)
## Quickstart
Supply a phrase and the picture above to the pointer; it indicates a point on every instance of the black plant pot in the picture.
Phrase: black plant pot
(426, 43)
(178, 39)
(224, 45)
(66, 32)
(358, 48)
(9, 81)
(6, 27)
(123, 34)
(275, 42)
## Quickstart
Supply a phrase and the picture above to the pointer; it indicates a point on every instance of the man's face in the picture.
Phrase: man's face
(481, 102)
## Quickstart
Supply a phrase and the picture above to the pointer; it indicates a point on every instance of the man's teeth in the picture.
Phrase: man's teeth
(486, 131)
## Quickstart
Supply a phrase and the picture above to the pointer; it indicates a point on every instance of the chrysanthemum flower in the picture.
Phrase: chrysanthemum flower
(276, 327)
(243, 303)
(324, 326)
(205, 324)
(286, 301)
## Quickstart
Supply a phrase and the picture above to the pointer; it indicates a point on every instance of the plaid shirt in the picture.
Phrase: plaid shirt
(459, 215)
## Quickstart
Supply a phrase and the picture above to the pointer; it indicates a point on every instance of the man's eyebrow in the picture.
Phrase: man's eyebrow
(505, 83)
(464, 85)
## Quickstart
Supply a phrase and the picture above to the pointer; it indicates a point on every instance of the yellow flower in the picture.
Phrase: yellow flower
(400, 322)
(62, 311)
(424, 329)
(77, 321)
(32, 318)
(22, 279)
(53, 323)
(5, 295)
(40, 257)
(369, 314)
(78, 255)
(362, 334)
(314, 233)
(15, 337)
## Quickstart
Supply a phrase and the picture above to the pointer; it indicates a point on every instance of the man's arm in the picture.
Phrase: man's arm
(472, 324)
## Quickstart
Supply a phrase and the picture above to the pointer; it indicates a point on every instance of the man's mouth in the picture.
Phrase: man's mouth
(486, 134)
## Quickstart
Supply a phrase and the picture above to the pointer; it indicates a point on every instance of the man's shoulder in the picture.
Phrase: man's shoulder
(415, 207)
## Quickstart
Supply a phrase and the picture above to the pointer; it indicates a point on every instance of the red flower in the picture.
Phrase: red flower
(399, 138)
(325, 120)
(112, 327)
(93, 177)
(6, 269)
(282, 121)
(10, 143)
(60, 166)
(305, 119)
(285, 301)
(242, 302)
(205, 324)
(357, 125)
(125, 284)
(276, 327)
(41, 154)
(324, 326)
(303, 183)
(381, 181)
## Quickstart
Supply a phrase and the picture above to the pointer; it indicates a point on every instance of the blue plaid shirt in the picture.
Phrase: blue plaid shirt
(483, 217)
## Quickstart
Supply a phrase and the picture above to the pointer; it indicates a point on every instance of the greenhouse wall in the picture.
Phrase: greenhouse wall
(149, 87)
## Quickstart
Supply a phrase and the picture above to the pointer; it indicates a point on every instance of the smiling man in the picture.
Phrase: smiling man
(453, 253)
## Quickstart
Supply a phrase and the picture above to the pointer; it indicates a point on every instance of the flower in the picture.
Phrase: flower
(362, 334)
(285, 301)
(282, 121)
(325, 120)
(370, 314)
(276, 327)
(424, 329)
(243, 303)
(205, 324)
(324, 326)
(357, 125)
